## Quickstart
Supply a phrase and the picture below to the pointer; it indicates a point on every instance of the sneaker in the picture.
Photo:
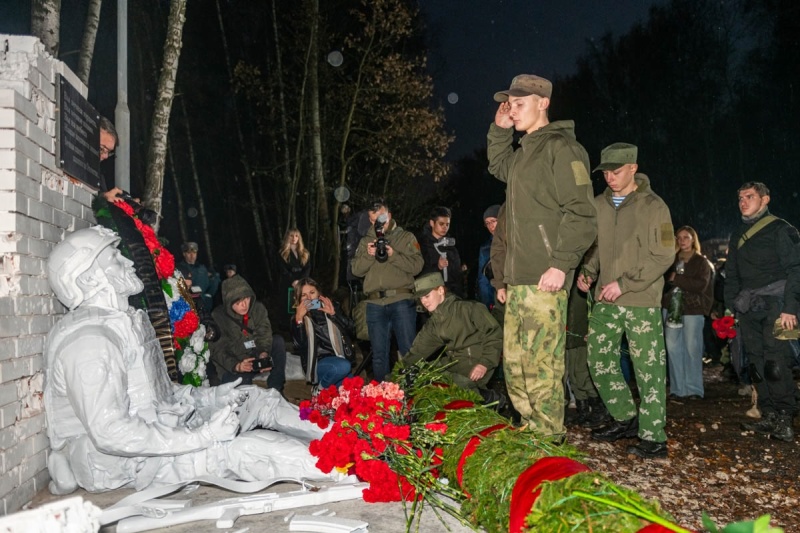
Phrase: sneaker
(745, 390)
(648, 449)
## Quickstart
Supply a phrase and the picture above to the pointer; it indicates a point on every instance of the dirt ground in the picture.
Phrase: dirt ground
(713, 464)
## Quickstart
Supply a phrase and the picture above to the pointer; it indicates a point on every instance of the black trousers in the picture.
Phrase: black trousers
(771, 357)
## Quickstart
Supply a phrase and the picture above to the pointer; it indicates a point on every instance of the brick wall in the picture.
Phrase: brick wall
(38, 205)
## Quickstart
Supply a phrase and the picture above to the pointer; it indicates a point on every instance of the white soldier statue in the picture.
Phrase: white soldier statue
(114, 418)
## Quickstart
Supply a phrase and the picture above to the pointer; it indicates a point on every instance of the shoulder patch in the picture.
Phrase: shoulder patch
(667, 235)
(580, 173)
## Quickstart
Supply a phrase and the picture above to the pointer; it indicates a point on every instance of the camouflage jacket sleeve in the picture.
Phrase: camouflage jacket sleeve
(500, 151)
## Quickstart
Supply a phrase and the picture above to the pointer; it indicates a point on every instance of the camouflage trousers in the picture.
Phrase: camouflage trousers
(578, 373)
(642, 326)
(533, 356)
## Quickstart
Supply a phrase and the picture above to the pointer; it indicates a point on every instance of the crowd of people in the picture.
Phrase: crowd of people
(564, 280)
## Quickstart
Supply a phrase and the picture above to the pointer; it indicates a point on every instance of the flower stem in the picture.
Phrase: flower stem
(632, 510)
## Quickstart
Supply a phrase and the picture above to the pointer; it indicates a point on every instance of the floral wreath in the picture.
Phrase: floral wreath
(188, 334)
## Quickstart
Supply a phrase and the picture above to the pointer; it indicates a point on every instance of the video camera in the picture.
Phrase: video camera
(259, 364)
(381, 254)
(444, 242)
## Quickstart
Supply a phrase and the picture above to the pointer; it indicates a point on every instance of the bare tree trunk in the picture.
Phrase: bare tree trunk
(201, 204)
(323, 214)
(87, 44)
(45, 23)
(178, 193)
(291, 185)
(248, 174)
(156, 154)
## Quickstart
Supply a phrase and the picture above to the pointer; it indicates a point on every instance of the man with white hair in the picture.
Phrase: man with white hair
(113, 417)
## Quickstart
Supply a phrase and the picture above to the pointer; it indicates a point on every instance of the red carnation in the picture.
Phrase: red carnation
(186, 325)
(125, 207)
(165, 263)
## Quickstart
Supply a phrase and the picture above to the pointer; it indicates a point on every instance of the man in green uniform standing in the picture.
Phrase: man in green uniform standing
(469, 334)
(550, 223)
(635, 246)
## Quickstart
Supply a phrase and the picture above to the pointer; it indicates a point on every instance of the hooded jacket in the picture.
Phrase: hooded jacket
(549, 196)
(230, 349)
(468, 331)
(635, 245)
(397, 272)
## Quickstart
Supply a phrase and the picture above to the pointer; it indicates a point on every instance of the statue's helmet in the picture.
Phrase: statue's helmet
(72, 257)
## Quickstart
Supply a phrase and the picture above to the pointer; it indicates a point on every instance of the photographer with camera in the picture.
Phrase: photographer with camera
(321, 334)
(439, 251)
(246, 346)
(388, 258)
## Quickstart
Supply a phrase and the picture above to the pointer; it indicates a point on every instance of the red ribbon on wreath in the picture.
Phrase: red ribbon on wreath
(469, 449)
(526, 489)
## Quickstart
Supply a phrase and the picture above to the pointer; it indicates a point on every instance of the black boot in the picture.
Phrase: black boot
(598, 416)
(783, 427)
(578, 417)
(625, 429)
(765, 426)
(491, 396)
(648, 449)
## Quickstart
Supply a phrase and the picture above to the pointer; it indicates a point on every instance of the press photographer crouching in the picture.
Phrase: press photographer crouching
(321, 334)
(246, 346)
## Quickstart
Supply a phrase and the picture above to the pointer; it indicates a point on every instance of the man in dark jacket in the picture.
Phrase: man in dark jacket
(469, 335)
(486, 291)
(245, 337)
(762, 287)
(202, 283)
(439, 251)
(550, 223)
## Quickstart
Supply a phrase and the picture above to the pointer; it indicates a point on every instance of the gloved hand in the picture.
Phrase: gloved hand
(227, 394)
(224, 425)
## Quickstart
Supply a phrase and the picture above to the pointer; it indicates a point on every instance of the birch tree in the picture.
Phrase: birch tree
(45, 24)
(87, 43)
(157, 152)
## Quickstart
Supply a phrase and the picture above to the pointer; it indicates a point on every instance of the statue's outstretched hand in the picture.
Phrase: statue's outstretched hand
(224, 425)
(227, 394)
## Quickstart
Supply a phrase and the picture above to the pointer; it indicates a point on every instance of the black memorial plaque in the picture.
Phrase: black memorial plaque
(78, 135)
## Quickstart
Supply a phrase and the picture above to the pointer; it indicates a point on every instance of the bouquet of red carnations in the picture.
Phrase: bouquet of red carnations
(724, 327)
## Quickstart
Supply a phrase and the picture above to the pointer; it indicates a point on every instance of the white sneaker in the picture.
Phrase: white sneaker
(745, 390)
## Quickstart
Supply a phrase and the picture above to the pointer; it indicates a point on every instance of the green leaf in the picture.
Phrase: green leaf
(708, 524)
(760, 525)
(166, 287)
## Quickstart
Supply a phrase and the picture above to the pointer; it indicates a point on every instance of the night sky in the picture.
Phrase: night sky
(476, 51)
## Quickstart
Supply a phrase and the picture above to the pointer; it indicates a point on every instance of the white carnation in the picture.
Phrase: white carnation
(188, 361)
(176, 294)
(197, 342)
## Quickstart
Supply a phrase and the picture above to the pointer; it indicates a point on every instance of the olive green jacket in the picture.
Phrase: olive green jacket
(635, 245)
(468, 332)
(397, 272)
(549, 195)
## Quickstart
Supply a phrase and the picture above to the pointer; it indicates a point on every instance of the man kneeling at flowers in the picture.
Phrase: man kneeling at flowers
(471, 337)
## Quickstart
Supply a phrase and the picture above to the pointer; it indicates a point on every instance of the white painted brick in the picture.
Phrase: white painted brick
(36, 247)
(12, 457)
(8, 349)
(13, 120)
(12, 180)
(39, 211)
(30, 344)
(23, 105)
(7, 308)
(51, 233)
(73, 208)
(8, 98)
(31, 426)
(8, 413)
(15, 369)
(83, 223)
(40, 443)
(8, 482)
(33, 464)
(34, 171)
(33, 305)
(12, 202)
(22, 495)
(12, 326)
(83, 195)
(11, 159)
(48, 161)
(33, 285)
(38, 136)
(64, 220)
(52, 198)
(8, 436)
(33, 266)
(40, 324)
(7, 138)
(8, 394)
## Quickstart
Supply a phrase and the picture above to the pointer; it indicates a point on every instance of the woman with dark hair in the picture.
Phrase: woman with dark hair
(688, 296)
(321, 334)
